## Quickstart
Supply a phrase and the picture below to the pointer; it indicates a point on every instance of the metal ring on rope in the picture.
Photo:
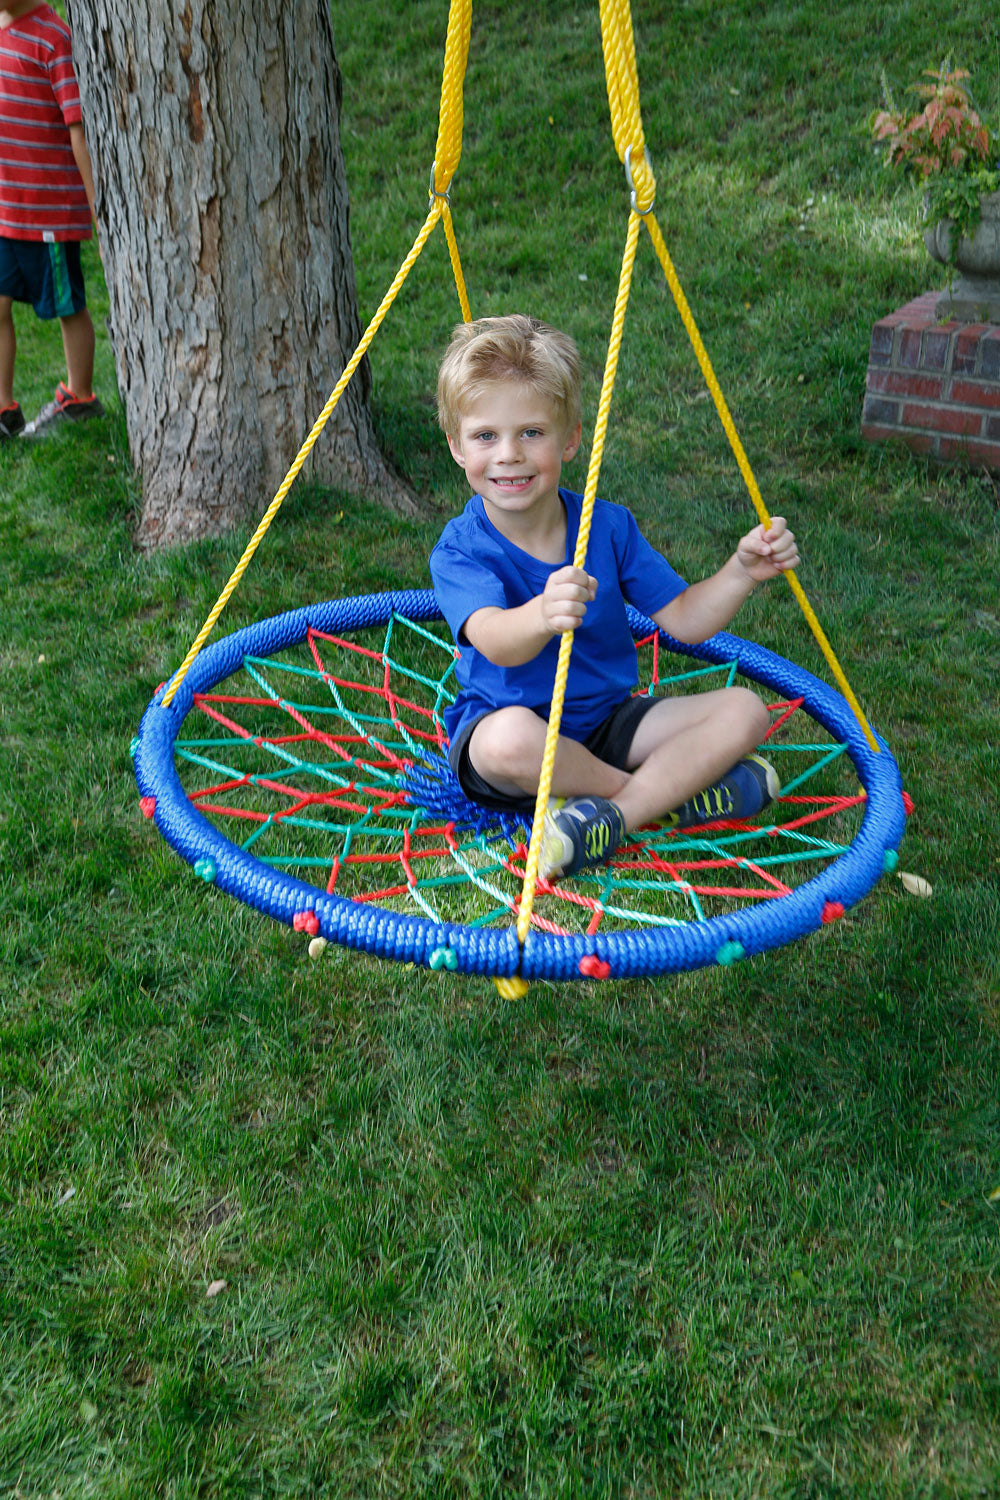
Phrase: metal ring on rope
(446, 195)
(628, 178)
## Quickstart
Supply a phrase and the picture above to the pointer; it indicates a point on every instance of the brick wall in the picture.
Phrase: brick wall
(934, 386)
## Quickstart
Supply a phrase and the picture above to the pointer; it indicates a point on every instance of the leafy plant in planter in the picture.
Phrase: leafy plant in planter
(945, 145)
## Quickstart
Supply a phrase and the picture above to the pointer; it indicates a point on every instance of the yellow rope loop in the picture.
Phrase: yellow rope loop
(434, 213)
(448, 149)
(579, 561)
(621, 74)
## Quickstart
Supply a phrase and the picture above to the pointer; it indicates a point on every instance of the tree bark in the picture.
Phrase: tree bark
(214, 128)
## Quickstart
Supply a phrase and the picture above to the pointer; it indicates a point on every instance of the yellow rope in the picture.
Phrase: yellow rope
(456, 264)
(623, 96)
(743, 463)
(618, 45)
(448, 150)
(272, 510)
(626, 126)
(622, 77)
(579, 559)
(446, 158)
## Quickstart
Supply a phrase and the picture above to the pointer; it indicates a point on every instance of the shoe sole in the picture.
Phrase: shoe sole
(771, 778)
(557, 850)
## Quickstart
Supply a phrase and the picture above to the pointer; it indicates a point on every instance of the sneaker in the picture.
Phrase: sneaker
(66, 407)
(11, 422)
(744, 792)
(580, 831)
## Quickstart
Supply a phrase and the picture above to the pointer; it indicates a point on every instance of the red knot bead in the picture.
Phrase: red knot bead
(593, 967)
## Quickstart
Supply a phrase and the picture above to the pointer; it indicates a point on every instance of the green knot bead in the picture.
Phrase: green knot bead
(134, 746)
(890, 860)
(205, 868)
(730, 953)
(444, 958)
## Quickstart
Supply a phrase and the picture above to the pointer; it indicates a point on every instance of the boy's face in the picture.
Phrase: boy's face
(512, 446)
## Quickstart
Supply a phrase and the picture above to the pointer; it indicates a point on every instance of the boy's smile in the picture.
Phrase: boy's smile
(512, 445)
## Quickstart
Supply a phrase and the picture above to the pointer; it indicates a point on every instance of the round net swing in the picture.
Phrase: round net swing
(300, 764)
(302, 769)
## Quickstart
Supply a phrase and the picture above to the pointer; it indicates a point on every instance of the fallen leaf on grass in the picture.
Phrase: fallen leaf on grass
(916, 884)
(214, 1288)
(994, 1196)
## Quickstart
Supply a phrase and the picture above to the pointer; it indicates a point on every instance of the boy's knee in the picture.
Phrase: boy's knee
(501, 740)
(748, 711)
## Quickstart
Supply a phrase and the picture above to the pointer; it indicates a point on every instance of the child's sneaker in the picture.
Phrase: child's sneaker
(742, 793)
(65, 407)
(578, 832)
(11, 422)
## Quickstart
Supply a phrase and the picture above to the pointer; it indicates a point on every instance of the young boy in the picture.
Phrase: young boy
(46, 207)
(509, 402)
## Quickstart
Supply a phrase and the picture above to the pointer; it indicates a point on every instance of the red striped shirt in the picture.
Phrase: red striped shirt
(42, 196)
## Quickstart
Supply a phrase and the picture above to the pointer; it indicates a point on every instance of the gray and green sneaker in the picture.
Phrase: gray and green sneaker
(742, 793)
(579, 832)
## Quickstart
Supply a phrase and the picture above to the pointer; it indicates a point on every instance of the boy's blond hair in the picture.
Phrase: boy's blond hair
(514, 348)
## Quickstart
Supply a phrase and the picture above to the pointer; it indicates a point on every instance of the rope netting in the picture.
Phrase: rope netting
(330, 762)
(302, 768)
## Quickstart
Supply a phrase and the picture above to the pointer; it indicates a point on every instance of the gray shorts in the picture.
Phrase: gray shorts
(611, 742)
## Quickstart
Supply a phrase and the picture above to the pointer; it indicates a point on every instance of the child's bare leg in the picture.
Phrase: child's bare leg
(8, 348)
(506, 749)
(686, 744)
(681, 746)
(78, 344)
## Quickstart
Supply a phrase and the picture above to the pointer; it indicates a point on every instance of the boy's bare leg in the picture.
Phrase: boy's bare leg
(686, 744)
(78, 344)
(8, 349)
(507, 749)
(681, 746)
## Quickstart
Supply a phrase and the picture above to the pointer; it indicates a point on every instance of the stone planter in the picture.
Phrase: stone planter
(974, 295)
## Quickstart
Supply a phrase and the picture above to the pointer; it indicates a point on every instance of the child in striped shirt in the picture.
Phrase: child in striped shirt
(46, 207)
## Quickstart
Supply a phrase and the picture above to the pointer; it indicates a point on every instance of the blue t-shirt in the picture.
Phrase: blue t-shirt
(473, 567)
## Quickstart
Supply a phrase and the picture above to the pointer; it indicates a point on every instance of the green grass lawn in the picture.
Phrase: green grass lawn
(724, 1234)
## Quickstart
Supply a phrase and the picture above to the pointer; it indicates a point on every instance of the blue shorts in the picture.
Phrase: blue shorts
(611, 742)
(50, 277)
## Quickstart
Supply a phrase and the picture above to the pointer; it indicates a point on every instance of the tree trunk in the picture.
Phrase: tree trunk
(214, 128)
